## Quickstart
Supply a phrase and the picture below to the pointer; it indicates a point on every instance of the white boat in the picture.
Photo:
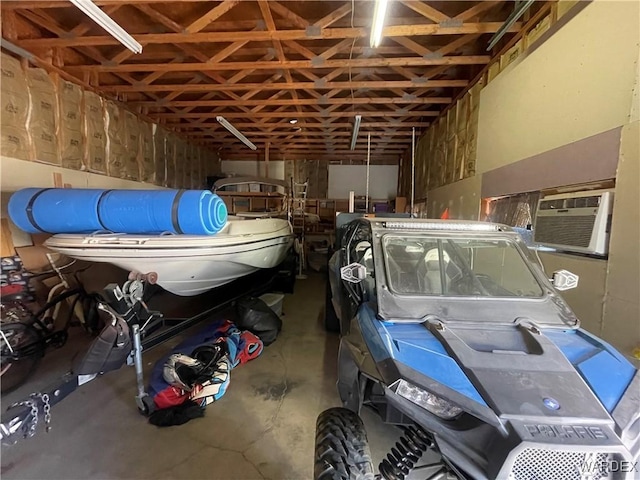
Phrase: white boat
(187, 264)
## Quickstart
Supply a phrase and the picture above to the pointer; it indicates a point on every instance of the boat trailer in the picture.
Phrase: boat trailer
(131, 328)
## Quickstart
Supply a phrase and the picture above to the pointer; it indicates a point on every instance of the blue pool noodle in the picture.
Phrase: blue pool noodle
(62, 210)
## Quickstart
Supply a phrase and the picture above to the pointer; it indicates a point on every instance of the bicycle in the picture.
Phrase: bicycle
(25, 335)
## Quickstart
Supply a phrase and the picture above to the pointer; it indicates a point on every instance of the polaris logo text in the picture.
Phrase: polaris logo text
(566, 431)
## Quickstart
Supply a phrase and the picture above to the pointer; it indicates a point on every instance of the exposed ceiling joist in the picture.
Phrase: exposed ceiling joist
(264, 63)
(223, 37)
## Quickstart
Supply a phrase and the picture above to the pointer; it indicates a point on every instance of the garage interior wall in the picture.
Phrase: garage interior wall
(17, 174)
(56, 134)
(253, 168)
(579, 88)
(383, 180)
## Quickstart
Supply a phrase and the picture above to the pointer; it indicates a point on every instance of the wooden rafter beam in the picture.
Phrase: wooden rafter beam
(316, 135)
(153, 14)
(121, 56)
(283, 114)
(225, 52)
(335, 49)
(457, 43)
(284, 12)
(343, 143)
(31, 4)
(290, 64)
(365, 124)
(344, 152)
(305, 52)
(426, 10)
(191, 50)
(334, 16)
(87, 23)
(225, 37)
(380, 85)
(271, 26)
(44, 20)
(477, 10)
(210, 16)
(412, 45)
(408, 100)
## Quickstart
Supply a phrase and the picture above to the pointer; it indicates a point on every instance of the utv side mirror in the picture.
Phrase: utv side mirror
(353, 273)
(564, 280)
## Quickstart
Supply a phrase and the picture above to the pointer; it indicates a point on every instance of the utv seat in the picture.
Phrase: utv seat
(431, 282)
(428, 276)
(402, 282)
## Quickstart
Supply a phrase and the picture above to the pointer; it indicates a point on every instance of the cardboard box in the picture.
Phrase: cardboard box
(13, 273)
(401, 204)
(34, 259)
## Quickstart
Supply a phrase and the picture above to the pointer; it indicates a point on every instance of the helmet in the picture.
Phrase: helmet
(183, 371)
(214, 387)
(209, 354)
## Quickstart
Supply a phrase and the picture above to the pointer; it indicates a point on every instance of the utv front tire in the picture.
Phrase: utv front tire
(342, 450)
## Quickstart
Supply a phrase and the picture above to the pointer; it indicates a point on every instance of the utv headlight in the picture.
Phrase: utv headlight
(428, 401)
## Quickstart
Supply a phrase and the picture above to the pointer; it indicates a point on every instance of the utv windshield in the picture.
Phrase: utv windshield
(427, 265)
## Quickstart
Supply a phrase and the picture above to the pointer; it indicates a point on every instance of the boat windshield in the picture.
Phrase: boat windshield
(428, 265)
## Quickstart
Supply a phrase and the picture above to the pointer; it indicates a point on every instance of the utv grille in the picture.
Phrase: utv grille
(540, 464)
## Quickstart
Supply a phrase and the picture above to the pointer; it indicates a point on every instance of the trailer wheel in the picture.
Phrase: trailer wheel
(342, 450)
(331, 320)
(146, 405)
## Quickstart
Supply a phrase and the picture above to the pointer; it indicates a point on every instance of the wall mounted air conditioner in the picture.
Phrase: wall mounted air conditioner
(575, 222)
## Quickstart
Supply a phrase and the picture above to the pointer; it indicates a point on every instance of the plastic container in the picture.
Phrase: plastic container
(57, 210)
(274, 302)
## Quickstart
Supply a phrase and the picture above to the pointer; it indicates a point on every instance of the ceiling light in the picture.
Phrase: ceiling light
(378, 22)
(356, 128)
(106, 22)
(520, 8)
(222, 121)
(293, 121)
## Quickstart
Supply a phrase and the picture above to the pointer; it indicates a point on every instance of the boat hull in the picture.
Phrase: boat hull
(186, 265)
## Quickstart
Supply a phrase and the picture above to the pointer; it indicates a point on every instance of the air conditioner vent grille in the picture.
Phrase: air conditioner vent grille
(572, 230)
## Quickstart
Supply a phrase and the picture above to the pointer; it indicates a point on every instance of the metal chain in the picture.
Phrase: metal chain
(47, 412)
(34, 416)
(32, 403)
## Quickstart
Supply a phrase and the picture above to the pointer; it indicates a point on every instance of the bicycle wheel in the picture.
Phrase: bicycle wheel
(21, 349)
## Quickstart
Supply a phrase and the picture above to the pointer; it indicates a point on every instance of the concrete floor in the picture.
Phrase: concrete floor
(262, 428)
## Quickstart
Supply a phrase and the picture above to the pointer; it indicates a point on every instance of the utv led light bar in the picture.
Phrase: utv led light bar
(462, 227)
(428, 401)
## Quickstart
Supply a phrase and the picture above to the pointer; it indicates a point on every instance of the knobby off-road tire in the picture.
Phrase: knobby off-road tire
(342, 450)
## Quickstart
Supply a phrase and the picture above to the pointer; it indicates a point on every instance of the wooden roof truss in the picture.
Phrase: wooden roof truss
(290, 74)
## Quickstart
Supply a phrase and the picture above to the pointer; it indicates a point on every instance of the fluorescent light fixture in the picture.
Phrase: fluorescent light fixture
(356, 128)
(222, 121)
(520, 8)
(378, 22)
(293, 121)
(106, 22)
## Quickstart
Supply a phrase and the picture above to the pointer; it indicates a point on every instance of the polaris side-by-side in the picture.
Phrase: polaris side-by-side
(453, 331)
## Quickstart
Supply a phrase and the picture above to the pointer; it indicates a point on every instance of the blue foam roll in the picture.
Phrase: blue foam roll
(195, 212)
(38, 210)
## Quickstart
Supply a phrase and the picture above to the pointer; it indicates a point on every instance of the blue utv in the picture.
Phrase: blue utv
(452, 331)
